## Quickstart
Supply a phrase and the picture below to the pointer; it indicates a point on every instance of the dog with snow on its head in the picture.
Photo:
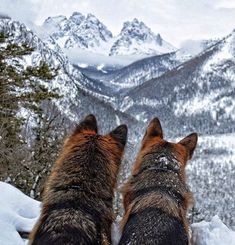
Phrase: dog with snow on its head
(78, 199)
(156, 197)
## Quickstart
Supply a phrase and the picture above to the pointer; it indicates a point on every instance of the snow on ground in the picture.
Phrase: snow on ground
(18, 213)
(214, 232)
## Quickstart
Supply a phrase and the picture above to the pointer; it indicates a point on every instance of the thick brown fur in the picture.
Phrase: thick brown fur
(77, 202)
(156, 200)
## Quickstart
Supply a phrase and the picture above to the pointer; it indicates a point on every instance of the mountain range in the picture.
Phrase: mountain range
(87, 33)
(188, 93)
(199, 92)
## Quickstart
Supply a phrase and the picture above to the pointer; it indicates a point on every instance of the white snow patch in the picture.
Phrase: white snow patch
(100, 67)
(214, 232)
(18, 213)
(150, 102)
(118, 122)
(126, 103)
(82, 65)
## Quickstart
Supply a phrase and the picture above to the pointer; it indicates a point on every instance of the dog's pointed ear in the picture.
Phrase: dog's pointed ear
(119, 134)
(189, 142)
(154, 129)
(89, 123)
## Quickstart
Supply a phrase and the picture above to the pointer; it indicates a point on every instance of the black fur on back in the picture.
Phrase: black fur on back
(157, 228)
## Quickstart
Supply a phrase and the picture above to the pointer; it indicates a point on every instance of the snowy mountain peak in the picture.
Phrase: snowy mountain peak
(159, 39)
(85, 32)
(77, 18)
(90, 34)
(92, 18)
(133, 23)
(137, 38)
(138, 30)
(91, 23)
(55, 20)
(135, 26)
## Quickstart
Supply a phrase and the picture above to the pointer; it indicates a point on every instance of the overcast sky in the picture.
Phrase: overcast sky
(175, 20)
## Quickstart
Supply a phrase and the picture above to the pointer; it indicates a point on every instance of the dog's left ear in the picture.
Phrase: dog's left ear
(154, 129)
(189, 143)
(119, 134)
(89, 123)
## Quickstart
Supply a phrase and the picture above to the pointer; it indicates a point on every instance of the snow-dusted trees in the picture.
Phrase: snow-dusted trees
(23, 104)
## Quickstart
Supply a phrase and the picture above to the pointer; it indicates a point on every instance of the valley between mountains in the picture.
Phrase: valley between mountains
(135, 76)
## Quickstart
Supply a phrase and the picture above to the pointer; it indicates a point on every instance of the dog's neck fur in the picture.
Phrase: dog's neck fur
(158, 183)
(160, 161)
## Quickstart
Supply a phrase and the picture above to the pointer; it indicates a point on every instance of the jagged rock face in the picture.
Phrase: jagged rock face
(77, 18)
(57, 21)
(78, 31)
(137, 38)
(88, 33)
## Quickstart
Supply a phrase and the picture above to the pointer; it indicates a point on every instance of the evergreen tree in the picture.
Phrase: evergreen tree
(19, 89)
(49, 132)
(22, 89)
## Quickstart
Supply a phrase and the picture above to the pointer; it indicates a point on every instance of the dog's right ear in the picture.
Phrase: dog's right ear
(119, 134)
(190, 143)
(89, 123)
(154, 129)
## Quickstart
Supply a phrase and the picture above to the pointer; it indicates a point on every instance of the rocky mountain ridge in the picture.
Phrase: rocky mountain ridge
(88, 33)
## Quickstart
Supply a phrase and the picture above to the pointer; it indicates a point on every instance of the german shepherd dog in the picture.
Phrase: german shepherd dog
(156, 197)
(77, 203)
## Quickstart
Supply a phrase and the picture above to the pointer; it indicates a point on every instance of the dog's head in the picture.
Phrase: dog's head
(89, 146)
(154, 143)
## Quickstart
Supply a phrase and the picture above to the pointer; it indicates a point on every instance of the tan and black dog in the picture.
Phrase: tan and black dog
(78, 198)
(156, 197)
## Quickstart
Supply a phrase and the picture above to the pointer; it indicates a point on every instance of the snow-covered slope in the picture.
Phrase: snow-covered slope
(137, 38)
(19, 213)
(198, 94)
